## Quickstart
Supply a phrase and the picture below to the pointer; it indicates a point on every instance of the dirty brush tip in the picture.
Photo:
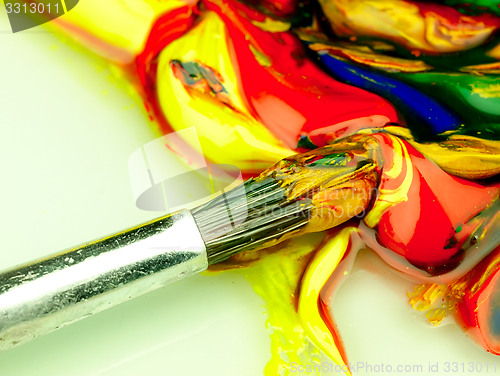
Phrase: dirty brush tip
(304, 193)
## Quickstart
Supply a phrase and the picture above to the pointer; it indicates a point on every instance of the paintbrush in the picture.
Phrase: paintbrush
(291, 198)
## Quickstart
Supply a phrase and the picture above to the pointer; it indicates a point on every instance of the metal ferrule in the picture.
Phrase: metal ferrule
(42, 296)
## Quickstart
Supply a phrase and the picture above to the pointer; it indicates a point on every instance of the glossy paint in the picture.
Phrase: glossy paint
(420, 110)
(290, 88)
(404, 132)
(419, 27)
(197, 85)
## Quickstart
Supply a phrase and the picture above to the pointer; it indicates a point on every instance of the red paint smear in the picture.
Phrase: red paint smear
(332, 327)
(165, 29)
(293, 95)
(470, 306)
(280, 8)
(422, 229)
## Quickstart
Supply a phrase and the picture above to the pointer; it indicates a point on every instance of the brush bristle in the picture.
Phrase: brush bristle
(254, 214)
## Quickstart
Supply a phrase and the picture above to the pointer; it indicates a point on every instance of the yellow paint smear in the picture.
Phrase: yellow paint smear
(228, 132)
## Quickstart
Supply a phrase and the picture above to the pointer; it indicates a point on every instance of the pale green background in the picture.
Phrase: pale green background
(67, 129)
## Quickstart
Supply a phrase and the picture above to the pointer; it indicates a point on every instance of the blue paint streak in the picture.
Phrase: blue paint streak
(418, 108)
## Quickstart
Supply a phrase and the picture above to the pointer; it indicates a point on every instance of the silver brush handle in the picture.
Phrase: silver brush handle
(42, 296)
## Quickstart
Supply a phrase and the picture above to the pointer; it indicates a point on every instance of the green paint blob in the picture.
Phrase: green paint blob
(476, 99)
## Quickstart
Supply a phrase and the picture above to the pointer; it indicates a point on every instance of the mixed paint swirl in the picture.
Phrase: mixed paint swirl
(385, 113)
